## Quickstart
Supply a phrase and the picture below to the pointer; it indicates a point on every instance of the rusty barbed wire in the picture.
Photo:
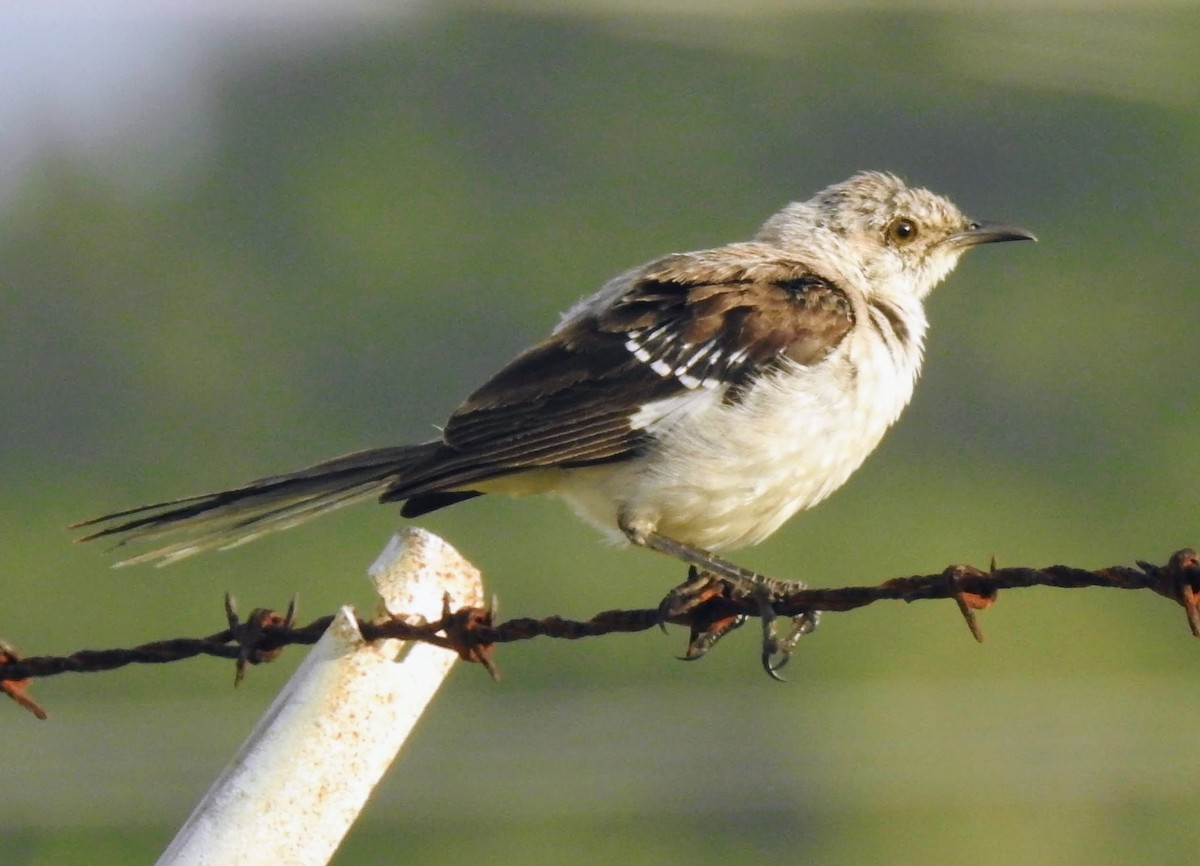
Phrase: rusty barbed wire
(712, 609)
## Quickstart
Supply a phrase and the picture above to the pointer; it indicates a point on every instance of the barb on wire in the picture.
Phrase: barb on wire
(472, 634)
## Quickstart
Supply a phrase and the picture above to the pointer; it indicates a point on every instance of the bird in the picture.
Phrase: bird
(690, 406)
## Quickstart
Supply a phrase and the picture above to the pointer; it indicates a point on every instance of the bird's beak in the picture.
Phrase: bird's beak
(989, 233)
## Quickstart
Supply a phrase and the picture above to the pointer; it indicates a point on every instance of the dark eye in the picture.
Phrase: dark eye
(902, 230)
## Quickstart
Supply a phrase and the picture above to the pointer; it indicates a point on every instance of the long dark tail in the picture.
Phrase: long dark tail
(232, 517)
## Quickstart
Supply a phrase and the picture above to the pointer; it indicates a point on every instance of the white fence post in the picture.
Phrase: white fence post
(301, 778)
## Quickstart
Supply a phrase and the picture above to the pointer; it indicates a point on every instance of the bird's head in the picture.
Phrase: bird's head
(882, 235)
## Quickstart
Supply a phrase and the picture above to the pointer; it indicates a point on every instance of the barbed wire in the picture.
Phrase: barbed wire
(709, 607)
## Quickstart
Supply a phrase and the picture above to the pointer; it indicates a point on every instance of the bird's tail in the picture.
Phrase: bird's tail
(232, 517)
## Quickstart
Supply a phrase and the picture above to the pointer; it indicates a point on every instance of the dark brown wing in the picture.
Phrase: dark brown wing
(710, 320)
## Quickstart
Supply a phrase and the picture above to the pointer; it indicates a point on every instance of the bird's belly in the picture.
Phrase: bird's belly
(739, 488)
(731, 476)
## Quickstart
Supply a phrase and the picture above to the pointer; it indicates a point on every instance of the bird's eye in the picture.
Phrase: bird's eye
(902, 230)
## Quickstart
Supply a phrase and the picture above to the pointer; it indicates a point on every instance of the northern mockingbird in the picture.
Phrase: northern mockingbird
(693, 404)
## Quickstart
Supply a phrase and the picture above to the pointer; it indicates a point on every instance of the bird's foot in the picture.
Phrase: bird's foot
(700, 588)
(777, 651)
(700, 600)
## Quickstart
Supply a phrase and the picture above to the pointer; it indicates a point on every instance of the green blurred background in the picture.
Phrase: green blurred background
(234, 243)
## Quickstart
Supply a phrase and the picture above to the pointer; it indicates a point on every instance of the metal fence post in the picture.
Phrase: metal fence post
(305, 772)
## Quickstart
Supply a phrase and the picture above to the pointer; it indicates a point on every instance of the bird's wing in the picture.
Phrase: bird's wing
(691, 322)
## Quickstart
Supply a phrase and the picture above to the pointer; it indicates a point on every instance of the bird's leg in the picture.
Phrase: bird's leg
(707, 569)
(705, 560)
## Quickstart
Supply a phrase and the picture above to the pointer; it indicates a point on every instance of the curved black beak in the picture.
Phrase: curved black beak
(989, 233)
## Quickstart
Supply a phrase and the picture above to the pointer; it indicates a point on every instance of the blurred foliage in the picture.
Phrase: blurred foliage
(379, 218)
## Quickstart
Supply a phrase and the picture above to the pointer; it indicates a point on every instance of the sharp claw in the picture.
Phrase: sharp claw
(770, 643)
(771, 668)
(698, 647)
(703, 641)
(663, 614)
(802, 624)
